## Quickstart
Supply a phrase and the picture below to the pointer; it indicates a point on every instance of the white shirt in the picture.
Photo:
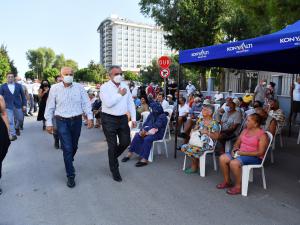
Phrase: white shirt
(183, 110)
(296, 92)
(29, 87)
(164, 104)
(218, 96)
(114, 103)
(190, 88)
(35, 88)
(67, 102)
(11, 88)
(134, 91)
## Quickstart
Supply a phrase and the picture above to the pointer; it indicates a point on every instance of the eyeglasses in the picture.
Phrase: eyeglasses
(116, 74)
(71, 74)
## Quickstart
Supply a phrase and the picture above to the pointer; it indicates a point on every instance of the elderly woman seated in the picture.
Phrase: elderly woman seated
(153, 129)
(249, 149)
(205, 125)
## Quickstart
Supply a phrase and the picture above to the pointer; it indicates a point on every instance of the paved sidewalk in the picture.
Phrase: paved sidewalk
(160, 194)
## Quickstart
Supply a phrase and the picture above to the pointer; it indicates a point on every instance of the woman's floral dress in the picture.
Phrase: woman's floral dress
(194, 151)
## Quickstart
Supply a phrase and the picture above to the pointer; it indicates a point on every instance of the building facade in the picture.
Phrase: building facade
(130, 45)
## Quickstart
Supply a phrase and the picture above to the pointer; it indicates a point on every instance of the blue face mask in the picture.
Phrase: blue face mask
(227, 108)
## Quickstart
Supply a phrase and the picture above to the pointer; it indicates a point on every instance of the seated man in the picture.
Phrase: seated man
(230, 122)
(193, 116)
(170, 99)
(160, 99)
(275, 112)
(153, 129)
(218, 97)
(249, 149)
(183, 111)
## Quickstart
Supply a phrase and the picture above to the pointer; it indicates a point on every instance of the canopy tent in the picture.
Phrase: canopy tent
(277, 52)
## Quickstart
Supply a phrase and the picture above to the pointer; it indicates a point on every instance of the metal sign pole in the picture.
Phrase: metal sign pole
(176, 116)
(291, 109)
(165, 88)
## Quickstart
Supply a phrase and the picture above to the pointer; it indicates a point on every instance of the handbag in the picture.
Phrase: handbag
(198, 140)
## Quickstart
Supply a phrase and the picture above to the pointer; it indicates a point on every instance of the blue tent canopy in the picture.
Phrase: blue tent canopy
(278, 52)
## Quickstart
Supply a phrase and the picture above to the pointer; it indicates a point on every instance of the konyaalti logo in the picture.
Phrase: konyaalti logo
(201, 54)
(240, 48)
(294, 39)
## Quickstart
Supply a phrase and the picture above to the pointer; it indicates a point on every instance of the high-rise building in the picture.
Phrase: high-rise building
(129, 44)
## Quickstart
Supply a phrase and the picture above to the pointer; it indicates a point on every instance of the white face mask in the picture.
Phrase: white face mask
(117, 79)
(68, 79)
(227, 109)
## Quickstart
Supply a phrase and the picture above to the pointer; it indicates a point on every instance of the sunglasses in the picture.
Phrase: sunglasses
(71, 74)
(116, 74)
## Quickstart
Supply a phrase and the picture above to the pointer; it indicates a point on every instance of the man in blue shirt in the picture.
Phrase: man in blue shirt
(15, 101)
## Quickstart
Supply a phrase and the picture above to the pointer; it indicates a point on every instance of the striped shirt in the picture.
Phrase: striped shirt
(114, 103)
(67, 102)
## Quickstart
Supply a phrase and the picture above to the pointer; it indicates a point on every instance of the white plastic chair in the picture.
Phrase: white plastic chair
(202, 159)
(247, 170)
(278, 132)
(166, 137)
(133, 131)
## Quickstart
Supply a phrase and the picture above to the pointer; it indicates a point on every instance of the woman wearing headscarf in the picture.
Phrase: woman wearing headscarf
(43, 96)
(153, 129)
(4, 137)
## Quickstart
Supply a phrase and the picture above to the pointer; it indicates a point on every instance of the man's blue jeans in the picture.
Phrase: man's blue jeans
(69, 132)
(15, 117)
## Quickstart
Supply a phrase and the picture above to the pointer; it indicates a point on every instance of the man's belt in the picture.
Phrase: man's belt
(68, 118)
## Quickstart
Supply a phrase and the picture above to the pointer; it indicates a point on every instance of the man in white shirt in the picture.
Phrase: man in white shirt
(29, 86)
(35, 90)
(183, 111)
(117, 101)
(190, 88)
(164, 103)
(66, 103)
(296, 98)
(218, 96)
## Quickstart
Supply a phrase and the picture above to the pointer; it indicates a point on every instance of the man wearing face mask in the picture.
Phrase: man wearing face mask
(67, 101)
(15, 101)
(190, 88)
(116, 102)
(260, 91)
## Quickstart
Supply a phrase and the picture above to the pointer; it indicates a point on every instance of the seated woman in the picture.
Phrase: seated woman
(153, 129)
(249, 149)
(143, 107)
(205, 125)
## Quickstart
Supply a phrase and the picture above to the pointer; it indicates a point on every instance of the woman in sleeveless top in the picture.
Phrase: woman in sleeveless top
(4, 137)
(249, 149)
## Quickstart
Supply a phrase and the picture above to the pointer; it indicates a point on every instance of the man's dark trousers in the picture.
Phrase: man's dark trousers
(113, 127)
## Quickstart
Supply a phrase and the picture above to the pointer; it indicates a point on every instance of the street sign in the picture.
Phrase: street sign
(164, 73)
(164, 62)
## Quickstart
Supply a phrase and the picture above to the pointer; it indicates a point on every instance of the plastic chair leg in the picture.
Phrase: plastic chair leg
(263, 178)
(215, 161)
(245, 181)
(166, 148)
(250, 175)
(202, 160)
(184, 163)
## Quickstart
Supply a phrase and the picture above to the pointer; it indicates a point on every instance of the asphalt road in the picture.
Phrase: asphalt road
(35, 192)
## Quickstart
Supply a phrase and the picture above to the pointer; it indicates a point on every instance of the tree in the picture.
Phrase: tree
(189, 23)
(50, 73)
(40, 59)
(131, 76)
(71, 63)
(6, 65)
(59, 61)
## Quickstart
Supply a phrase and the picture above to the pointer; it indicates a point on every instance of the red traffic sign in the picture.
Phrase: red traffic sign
(164, 73)
(164, 62)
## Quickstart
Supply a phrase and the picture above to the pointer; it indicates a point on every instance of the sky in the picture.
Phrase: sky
(66, 26)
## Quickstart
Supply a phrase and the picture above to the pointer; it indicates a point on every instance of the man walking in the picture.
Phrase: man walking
(116, 102)
(67, 102)
(15, 104)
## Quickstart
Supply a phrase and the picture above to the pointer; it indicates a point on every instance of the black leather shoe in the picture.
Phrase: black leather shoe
(141, 164)
(116, 176)
(18, 133)
(125, 159)
(71, 182)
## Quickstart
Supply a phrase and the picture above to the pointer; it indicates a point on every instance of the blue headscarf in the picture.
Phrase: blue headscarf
(156, 108)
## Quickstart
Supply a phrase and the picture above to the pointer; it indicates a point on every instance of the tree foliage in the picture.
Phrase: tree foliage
(43, 60)
(95, 73)
(132, 76)
(6, 65)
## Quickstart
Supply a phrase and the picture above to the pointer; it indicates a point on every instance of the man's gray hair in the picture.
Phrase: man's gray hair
(113, 67)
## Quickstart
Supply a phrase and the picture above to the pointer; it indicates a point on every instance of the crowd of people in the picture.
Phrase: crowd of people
(120, 107)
